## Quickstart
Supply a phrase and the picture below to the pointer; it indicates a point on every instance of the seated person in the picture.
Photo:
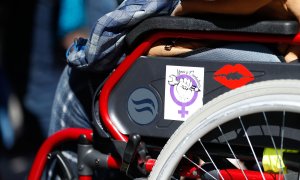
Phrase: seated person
(264, 9)
(69, 108)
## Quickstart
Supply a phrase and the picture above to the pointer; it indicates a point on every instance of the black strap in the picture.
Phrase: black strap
(295, 61)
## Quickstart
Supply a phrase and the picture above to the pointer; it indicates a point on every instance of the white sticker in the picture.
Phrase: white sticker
(183, 91)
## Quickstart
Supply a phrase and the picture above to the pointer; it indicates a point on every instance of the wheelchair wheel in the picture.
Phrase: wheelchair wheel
(231, 134)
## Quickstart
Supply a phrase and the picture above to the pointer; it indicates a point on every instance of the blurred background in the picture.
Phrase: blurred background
(34, 36)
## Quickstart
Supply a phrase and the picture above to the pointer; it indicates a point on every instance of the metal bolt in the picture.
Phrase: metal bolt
(195, 173)
(49, 156)
(81, 167)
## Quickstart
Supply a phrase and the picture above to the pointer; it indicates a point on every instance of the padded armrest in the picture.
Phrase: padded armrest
(171, 23)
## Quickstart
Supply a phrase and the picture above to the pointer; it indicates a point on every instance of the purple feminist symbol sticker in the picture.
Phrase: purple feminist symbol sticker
(184, 92)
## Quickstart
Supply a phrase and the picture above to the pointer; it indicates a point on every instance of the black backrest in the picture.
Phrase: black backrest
(216, 24)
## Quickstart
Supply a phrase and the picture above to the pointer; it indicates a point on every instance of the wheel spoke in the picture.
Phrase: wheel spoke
(273, 142)
(250, 144)
(199, 166)
(210, 158)
(265, 100)
(281, 142)
(233, 153)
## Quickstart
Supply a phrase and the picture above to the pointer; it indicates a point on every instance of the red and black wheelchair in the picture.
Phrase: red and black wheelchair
(251, 110)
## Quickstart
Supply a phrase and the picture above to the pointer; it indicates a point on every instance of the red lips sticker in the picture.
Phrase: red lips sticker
(233, 76)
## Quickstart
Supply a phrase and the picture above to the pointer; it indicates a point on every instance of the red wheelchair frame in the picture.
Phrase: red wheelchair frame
(73, 134)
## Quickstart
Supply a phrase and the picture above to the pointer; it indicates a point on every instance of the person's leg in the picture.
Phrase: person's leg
(71, 108)
(68, 110)
(71, 102)
(44, 68)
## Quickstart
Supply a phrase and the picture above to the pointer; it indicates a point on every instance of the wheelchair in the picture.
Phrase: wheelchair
(145, 131)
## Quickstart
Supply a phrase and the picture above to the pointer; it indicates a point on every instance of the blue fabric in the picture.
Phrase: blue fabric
(103, 46)
(93, 7)
(72, 16)
(67, 110)
(6, 130)
(105, 43)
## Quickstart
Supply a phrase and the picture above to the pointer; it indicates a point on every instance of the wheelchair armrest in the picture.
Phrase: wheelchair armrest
(171, 23)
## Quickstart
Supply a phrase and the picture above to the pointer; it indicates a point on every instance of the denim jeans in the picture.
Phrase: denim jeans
(68, 110)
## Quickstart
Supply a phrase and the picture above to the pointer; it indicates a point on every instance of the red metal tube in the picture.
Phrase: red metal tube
(296, 39)
(237, 174)
(74, 133)
(85, 177)
(113, 163)
(149, 165)
(52, 142)
(109, 85)
(144, 46)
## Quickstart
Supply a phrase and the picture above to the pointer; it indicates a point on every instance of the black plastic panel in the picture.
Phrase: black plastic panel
(149, 73)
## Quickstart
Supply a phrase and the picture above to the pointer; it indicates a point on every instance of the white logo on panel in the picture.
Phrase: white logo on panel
(183, 91)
